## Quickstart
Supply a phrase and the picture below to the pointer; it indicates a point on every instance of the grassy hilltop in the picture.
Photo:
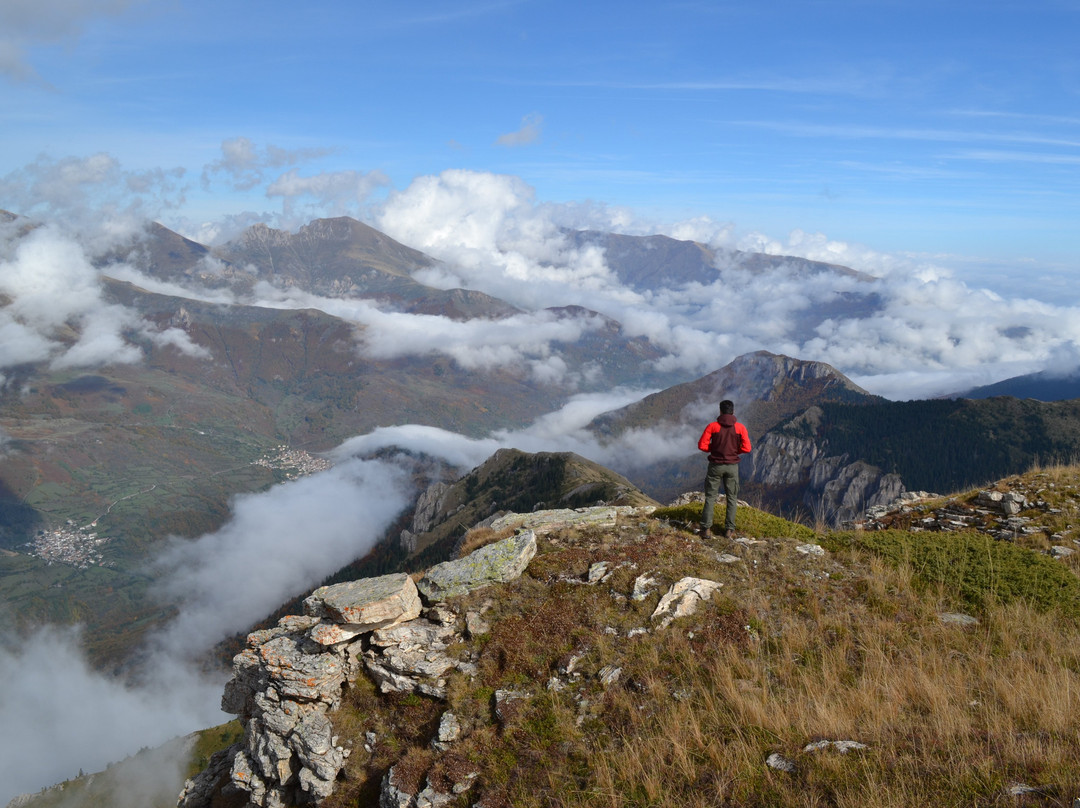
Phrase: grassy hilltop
(951, 660)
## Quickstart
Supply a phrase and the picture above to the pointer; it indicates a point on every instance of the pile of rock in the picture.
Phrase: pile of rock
(290, 678)
(1005, 515)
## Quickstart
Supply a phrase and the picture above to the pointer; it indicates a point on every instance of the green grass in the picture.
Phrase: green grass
(210, 741)
(750, 521)
(979, 570)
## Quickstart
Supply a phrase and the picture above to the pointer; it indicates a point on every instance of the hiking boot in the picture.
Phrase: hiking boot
(704, 531)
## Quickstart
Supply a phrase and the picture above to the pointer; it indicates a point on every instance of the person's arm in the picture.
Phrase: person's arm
(706, 436)
(744, 440)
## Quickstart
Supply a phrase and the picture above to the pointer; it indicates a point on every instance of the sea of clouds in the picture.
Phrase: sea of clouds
(929, 332)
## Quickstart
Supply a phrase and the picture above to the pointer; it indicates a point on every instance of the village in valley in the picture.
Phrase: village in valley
(81, 546)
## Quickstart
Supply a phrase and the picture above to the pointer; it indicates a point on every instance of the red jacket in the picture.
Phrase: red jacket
(725, 439)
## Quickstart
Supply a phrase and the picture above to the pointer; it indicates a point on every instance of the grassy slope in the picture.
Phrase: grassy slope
(794, 649)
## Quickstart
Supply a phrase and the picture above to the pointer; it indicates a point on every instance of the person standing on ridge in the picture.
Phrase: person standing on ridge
(725, 439)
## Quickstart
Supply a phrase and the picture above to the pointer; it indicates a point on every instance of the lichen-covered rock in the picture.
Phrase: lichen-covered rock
(299, 675)
(411, 657)
(449, 731)
(548, 521)
(283, 686)
(500, 562)
(364, 605)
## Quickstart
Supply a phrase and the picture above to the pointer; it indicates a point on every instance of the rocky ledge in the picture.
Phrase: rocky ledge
(290, 679)
(1006, 512)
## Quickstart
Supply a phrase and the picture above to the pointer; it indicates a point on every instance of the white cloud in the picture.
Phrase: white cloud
(1064, 361)
(531, 126)
(479, 344)
(490, 234)
(52, 307)
(243, 165)
(493, 236)
(276, 545)
(338, 193)
(560, 431)
(84, 720)
(93, 197)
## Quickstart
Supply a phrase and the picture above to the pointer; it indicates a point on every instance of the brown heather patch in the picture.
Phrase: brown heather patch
(527, 645)
(411, 769)
(478, 537)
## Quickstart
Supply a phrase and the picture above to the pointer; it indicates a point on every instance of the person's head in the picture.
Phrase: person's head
(727, 407)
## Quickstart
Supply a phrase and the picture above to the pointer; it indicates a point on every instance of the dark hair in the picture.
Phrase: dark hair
(727, 407)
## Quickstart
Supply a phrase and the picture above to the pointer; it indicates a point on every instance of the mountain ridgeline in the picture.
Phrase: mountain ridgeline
(102, 464)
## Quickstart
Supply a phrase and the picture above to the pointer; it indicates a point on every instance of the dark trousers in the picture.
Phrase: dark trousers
(728, 476)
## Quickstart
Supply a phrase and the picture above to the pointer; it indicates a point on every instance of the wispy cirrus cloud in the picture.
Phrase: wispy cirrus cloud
(26, 23)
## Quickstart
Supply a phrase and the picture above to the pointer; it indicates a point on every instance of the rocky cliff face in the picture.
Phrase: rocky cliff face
(766, 388)
(834, 488)
(513, 481)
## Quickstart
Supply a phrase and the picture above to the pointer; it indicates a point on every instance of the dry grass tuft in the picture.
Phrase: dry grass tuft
(478, 537)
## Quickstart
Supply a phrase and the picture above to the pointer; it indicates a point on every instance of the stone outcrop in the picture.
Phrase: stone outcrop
(683, 599)
(357, 607)
(1007, 515)
(494, 563)
(411, 657)
(548, 521)
(428, 513)
(289, 679)
(283, 686)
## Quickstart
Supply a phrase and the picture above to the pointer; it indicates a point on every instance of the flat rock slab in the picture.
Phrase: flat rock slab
(500, 562)
(547, 521)
(364, 605)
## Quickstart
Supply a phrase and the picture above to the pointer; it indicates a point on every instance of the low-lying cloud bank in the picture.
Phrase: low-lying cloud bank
(560, 431)
(495, 237)
(276, 545)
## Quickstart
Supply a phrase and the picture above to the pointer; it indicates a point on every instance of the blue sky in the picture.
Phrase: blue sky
(945, 129)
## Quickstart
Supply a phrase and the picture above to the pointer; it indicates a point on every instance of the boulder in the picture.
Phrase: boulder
(364, 605)
(500, 562)
(449, 732)
(683, 599)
